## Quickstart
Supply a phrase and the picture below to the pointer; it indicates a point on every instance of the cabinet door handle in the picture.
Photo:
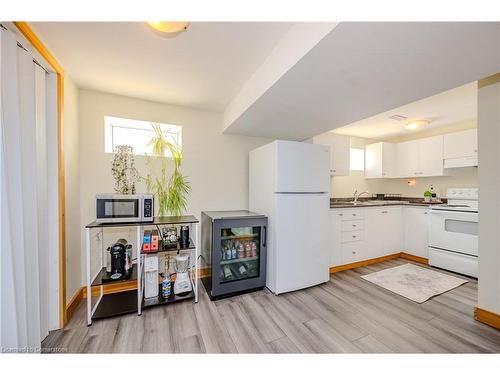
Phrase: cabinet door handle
(384, 212)
(353, 214)
(425, 213)
(354, 225)
(353, 236)
(354, 252)
(341, 214)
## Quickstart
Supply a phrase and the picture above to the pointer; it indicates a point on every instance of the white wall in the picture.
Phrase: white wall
(216, 164)
(72, 187)
(344, 186)
(489, 197)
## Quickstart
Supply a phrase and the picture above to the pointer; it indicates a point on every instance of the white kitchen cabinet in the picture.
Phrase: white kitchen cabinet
(347, 245)
(416, 238)
(339, 152)
(383, 231)
(460, 149)
(421, 157)
(431, 156)
(407, 159)
(380, 160)
(335, 237)
(353, 252)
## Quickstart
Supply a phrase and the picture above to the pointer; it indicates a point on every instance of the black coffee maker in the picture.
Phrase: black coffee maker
(118, 254)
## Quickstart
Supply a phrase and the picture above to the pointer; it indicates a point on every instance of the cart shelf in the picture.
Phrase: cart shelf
(155, 301)
(191, 246)
(98, 279)
(116, 304)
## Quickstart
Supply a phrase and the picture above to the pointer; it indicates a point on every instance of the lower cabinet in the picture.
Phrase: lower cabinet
(347, 236)
(372, 232)
(383, 231)
(416, 231)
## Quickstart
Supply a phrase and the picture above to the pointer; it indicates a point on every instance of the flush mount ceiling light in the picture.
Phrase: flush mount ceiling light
(414, 125)
(169, 28)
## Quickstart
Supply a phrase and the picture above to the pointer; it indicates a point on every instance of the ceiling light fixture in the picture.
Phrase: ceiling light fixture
(414, 125)
(168, 27)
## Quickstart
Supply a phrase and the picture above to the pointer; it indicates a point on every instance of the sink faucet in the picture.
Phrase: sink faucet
(356, 195)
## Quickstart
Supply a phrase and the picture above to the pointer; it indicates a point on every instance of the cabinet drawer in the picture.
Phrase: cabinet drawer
(352, 252)
(351, 214)
(357, 235)
(350, 225)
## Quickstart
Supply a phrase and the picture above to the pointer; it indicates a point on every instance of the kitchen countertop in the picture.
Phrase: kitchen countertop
(338, 203)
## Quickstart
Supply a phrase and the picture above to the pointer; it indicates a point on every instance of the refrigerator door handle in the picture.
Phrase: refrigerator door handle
(265, 236)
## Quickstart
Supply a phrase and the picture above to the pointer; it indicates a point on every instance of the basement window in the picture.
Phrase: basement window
(138, 134)
(357, 159)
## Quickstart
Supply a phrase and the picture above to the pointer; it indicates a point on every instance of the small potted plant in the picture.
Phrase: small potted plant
(427, 196)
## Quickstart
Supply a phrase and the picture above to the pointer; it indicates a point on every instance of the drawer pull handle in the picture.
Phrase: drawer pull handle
(353, 236)
(341, 214)
(354, 252)
(353, 214)
(384, 212)
(354, 225)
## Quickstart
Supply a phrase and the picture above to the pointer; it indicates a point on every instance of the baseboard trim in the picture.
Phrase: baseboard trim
(487, 317)
(73, 303)
(367, 262)
(363, 263)
(414, 258)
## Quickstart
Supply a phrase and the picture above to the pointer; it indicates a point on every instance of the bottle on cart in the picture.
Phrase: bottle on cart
(184, 240)
(166, 286)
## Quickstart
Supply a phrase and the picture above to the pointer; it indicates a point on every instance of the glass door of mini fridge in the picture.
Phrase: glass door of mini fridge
(239, 255)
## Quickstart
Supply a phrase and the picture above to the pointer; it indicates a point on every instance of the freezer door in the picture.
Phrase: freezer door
(302, 167)
(301, 241)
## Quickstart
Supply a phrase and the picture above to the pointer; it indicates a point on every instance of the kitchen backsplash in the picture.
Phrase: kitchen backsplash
(344, 186)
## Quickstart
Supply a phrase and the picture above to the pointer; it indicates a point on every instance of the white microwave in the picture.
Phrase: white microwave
(124, 208)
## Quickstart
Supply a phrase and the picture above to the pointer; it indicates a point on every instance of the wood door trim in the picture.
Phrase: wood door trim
(487, 317)
(30, 35)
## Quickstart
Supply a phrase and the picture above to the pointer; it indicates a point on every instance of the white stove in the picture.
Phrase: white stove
(453, 232)
(460, 199)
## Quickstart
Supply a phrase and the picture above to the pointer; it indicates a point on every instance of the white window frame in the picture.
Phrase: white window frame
(111, 122)
(351, 166)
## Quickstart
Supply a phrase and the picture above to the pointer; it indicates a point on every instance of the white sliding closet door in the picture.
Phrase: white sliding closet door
(29, 206)
(42, 194)
(29, 200)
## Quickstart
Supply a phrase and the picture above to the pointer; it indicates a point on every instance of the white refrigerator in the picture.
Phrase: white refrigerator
(289, 182)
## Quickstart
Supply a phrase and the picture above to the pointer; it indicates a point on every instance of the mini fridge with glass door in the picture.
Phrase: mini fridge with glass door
(233, 252)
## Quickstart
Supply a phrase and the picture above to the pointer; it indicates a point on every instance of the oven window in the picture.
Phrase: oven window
(117, 208)
(460, 226)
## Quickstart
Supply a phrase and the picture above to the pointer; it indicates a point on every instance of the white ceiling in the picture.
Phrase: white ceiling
(201, 68)
(361, 69)
(452, 106)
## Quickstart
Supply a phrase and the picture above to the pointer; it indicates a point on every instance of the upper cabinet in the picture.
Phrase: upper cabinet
(460, 149)
(339, 152)
(421, 157)
(380, 160)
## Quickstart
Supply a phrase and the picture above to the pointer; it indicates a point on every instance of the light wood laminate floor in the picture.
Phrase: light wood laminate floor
(345, 315)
